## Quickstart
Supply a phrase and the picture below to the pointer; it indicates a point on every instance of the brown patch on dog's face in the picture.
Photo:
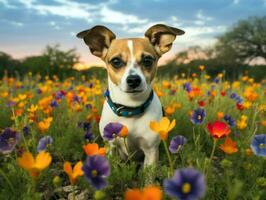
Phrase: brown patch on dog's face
(137, 58)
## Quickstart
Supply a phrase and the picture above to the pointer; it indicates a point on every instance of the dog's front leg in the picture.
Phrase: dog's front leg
(151, 156)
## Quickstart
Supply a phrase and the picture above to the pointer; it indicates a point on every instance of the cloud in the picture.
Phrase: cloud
(236, 2)
(7, 4)
(116, 17)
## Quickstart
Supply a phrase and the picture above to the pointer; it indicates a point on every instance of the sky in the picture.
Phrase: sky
(27, 26)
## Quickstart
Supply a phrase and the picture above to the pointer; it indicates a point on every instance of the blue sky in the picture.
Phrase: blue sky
(27, 26)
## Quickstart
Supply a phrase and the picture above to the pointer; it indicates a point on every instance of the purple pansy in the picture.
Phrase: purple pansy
(187, 87)
(44, 142)
(88, 135)
(258, 145)
(112, 130)
(8, 140)
(96, 169)
(198, 116)
(186, 184)
(176, 143)
(26, 130)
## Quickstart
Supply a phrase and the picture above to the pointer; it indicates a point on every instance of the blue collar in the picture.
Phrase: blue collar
(125, 111)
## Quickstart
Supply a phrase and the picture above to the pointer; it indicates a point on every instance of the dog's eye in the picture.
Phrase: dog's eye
(117, 62)
(147, 61)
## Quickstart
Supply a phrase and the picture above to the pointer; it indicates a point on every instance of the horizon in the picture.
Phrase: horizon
(29, 25)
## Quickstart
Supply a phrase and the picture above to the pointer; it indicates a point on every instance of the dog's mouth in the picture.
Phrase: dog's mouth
(133, 91)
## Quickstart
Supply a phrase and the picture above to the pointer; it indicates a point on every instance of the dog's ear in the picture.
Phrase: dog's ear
(162, 37)
(98, 39)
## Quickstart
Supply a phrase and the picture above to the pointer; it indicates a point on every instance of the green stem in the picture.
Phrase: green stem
(73, 190)
(169, 158)
(126, 146)
(212, 154)
(7, 180)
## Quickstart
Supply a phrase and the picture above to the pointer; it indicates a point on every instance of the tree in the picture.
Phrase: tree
(245, 41)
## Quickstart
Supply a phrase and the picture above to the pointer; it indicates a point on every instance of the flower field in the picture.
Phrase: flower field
(213, 141)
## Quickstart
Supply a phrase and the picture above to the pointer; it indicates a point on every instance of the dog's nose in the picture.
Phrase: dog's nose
(133, 81)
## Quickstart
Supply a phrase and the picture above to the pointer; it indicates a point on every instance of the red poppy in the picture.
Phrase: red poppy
(223, 93)
(218, 129)
(201, 103)
(240, 106)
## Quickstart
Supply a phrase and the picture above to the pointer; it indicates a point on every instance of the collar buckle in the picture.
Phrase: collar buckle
(119, 110)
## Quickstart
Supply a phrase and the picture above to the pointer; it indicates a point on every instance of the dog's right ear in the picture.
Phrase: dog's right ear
(98, 39)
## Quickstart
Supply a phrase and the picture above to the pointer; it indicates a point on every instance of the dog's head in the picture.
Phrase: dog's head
(132, 62)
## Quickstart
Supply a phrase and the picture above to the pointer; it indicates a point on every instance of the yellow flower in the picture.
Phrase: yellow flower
(45, 124)
(246, 104)
(74, 173)
(32, 109)
(242, 123)
(163, 127)
(34, 166)
(22, 97)
(201, 67)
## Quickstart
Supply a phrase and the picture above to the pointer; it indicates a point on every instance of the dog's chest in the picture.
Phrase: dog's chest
(138, 126)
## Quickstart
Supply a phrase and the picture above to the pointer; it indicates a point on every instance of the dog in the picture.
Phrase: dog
(131, 65)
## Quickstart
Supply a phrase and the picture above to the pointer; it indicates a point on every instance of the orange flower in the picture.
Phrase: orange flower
(163, 127)
(148, 193)
(229, 146)
(45, 124)
(34, 166)
(220, 115)
(93, 149)
(123, 132)
(218, 129)
(169, 110)
(74, 173)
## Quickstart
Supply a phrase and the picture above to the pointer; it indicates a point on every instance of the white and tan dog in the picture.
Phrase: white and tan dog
(131, 65)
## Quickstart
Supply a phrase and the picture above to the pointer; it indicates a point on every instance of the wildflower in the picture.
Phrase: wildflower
(229, 146)
(242, 122)
(44, 142)
(201, 67)
(88, 135)
(240, 106)
(93, 149)
(220, 115)
(258, 145)
(74, 173)
(96, 169)
(201, 103)
(169, 110)
(163, 127)
(218, 129)
(198, 116)
(177, 143)
(187, 87)
(166, 84)
(84, 125)
(123, 132)
(34, 166)
(8, 140)
(186, 184)
(229, 120)
(112, 130)
(45, 124)
(26, 130)
(148, 193)
(32, 109)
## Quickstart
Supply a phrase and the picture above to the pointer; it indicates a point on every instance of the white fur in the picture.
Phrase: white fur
(132, 69)
(140, 136)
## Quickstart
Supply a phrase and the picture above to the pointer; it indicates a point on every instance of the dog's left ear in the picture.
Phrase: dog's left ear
(98, 39)
(162, 37)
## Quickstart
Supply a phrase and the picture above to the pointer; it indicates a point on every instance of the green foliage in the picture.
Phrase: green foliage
(245, 41)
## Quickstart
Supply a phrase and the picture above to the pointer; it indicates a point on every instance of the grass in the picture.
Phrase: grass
(240, 175)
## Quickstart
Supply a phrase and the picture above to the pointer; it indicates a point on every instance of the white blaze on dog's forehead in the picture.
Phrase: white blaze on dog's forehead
(130, 47)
